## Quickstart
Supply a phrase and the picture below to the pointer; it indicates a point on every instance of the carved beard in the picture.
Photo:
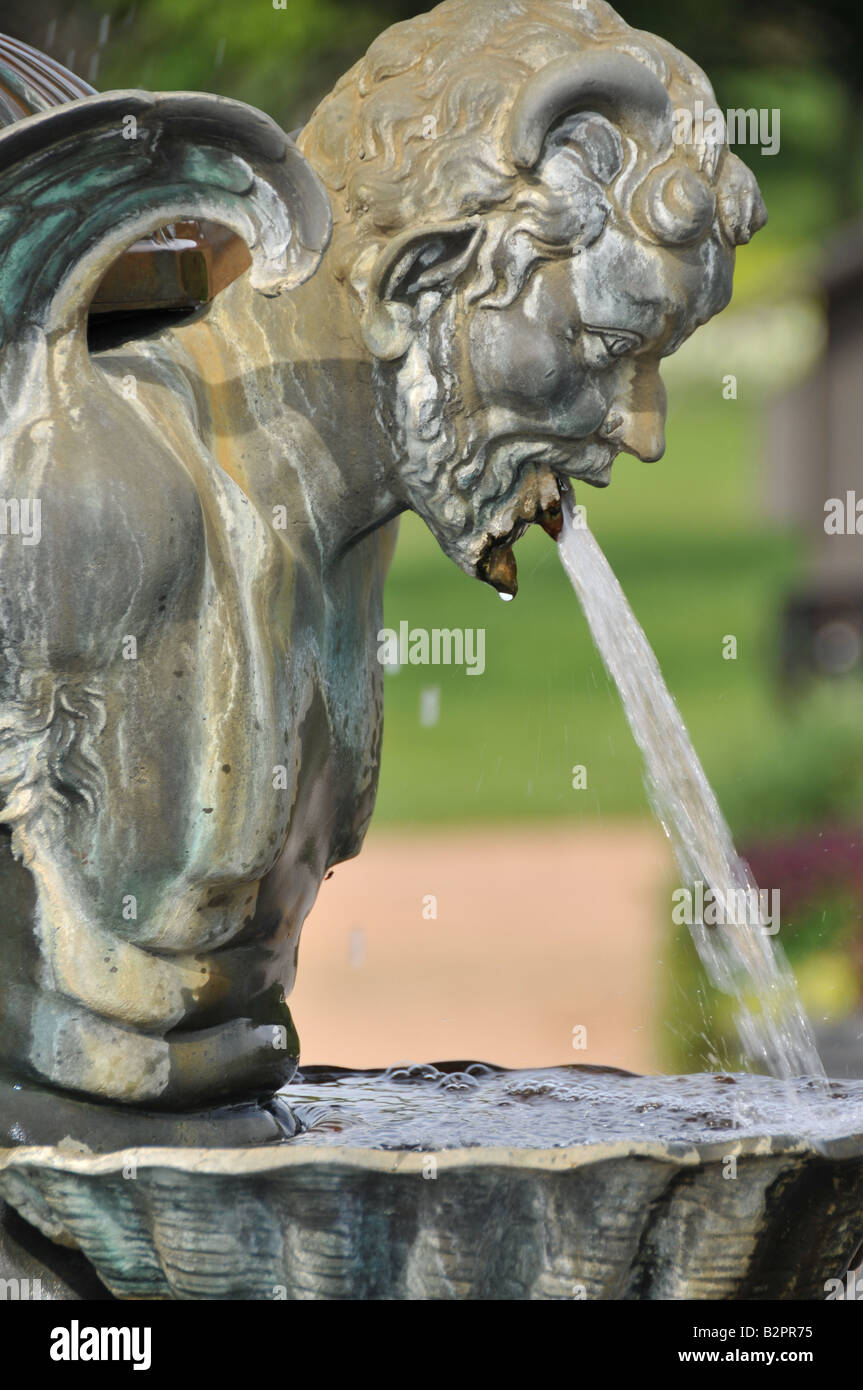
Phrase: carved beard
(476, 492)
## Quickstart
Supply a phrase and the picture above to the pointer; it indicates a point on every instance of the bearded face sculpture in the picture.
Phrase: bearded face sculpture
(527, 241)
(190, 700)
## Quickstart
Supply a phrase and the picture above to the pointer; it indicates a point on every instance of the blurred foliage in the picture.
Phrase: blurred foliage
(823, 944)
(282, 60)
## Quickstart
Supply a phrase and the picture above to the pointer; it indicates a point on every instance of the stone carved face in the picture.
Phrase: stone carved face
(521, 343)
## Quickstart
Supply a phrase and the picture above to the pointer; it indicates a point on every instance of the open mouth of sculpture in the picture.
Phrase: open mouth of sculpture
(497, 565)
(536, 500)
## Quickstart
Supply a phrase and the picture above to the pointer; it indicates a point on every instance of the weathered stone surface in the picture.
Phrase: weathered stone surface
(34, 1267)
(140, 713)
(30, 1115)
(611, 1221)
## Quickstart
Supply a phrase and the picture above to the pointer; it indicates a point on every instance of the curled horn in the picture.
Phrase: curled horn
(613, 84)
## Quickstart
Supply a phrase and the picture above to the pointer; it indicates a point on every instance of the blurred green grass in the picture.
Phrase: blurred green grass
(699, 560)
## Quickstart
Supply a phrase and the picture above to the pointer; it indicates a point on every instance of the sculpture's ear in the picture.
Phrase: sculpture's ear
(430, 259)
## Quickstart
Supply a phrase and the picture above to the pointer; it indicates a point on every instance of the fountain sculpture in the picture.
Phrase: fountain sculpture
(465, 274)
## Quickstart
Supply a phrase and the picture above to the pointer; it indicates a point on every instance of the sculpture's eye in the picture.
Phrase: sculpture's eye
(616, 343)
(600, 346)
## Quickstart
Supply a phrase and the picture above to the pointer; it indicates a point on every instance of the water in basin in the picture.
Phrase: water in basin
(461, 1105)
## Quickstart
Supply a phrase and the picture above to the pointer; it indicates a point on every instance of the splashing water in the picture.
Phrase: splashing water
(740, 956)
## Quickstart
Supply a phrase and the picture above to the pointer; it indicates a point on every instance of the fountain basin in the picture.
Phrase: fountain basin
(742, 1215)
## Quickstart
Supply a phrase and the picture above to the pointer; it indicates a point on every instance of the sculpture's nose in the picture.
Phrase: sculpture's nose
(637, 421)
(644, 436)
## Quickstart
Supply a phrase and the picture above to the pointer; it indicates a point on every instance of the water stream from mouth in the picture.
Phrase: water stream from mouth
(740, 957)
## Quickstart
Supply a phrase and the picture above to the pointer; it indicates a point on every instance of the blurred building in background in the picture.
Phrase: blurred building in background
(816, 478)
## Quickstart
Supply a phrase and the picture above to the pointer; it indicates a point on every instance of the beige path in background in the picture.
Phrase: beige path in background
(538, 930)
